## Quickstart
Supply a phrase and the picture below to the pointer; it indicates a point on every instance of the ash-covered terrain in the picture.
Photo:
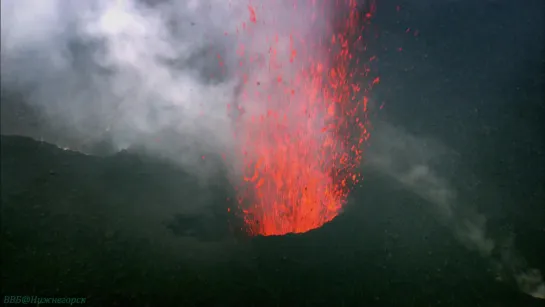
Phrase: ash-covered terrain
(122, 230)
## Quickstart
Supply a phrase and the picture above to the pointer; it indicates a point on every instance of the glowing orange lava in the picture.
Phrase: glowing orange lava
(302, 134)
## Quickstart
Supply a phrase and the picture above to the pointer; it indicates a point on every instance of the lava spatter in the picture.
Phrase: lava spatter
(304, 120)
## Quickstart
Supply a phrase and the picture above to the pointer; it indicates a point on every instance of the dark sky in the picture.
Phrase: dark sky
(471, 74)
(470, 67)
(466, 56)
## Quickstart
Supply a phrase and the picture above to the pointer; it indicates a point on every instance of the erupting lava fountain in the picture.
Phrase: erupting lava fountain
(302, 117)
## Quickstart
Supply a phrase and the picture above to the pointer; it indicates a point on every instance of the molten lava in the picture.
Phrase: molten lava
(301, 135)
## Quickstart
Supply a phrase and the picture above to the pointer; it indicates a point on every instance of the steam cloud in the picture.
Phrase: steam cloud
(415, 163)
(157, 75)
(130, 71)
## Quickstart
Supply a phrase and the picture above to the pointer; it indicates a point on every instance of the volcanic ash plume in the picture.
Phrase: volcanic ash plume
(263, 84)
(126, 72)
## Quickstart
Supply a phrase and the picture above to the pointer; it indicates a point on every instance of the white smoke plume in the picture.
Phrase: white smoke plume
(416, 164)
(157, 74)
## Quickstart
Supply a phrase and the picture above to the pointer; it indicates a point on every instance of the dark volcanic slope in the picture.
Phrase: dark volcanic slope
(126, 229)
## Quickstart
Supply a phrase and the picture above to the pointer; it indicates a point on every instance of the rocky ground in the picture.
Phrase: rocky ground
(126, 230)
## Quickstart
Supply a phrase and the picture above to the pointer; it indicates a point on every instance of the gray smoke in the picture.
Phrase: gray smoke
(157, 75)
(418, 164)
